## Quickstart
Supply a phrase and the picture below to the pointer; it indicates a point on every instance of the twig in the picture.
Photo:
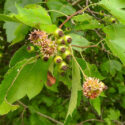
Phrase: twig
(78, 63)
(75, 2)
(83, 47)
(78, 12)
(41, 114)
(89, 120)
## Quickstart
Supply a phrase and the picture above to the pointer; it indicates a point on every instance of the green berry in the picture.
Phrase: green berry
(60, 41)
(63, 66)
(112, 20)
(45, 58)
(67, 39)
(67, 55)
(102, 13)
(30, 49)
(58, 33)
(62, 48)
(58, 59)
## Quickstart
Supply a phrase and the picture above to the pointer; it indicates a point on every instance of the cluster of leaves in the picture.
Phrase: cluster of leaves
(98, 51)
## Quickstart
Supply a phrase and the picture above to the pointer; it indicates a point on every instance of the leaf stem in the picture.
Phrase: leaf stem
(78, 63)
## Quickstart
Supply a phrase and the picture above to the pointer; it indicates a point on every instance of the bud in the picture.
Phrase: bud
(67, 55)
(63, 66)
(92, 87)
(58, 33)
(62, 48)
(30, 49)
(67, 39)
(58, 59)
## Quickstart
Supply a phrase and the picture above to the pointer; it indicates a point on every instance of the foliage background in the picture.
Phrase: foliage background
(104, 61)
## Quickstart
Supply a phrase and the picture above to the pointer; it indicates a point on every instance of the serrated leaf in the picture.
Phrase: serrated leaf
(26, 79)
(20, 55)
(96, 103)
(78, 40)
(7, 107)
(10, 4)
(116, 8)
(76, 86)
(85, 21)
(60, 6)
(39, 15)
(92, 71)
(115, 39)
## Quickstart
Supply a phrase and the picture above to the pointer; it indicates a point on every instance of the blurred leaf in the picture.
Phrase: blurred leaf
(20, 33)
(10, 4)
(92, 71)
(20, 54)
(115, 40)
(10, 30)
(7, 107)
(116, 8)
(114, 114)
(85, 21)
(96, 103)
(111, 66)
(60, 6)
(78, 40)
(75, 88)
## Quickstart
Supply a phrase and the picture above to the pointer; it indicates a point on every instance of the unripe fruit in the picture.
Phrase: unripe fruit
(67, 55)
(112, 20)
(63, 66)
(67, 39)
(62, 48)
(58, 59)
(30, 49)
(45, 58)
(61, 41)
(102, 13)
(58, 33)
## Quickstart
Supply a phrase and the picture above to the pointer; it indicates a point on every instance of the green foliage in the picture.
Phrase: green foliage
(34, 91)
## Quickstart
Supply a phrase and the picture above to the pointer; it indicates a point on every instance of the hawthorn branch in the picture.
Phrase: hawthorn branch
(90, 120)
(41, 114)
(83, 47)
(77, 12)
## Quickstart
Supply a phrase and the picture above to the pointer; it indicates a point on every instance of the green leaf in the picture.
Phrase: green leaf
(111, 66)
(10, 18)
(114, 114)
(116, 8)
(10, 4)
(115, 39)
(92, 71)
(7, 107)
(76, 86)
(10, 30)
(33, 15)
(85, 21)
(96, 103)
(25, 78)
(20, 33)
(60, 6)
(20, 55)
(78, 40)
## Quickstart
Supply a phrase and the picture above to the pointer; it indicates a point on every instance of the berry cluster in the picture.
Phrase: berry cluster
(49, 46)
(92, 88)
